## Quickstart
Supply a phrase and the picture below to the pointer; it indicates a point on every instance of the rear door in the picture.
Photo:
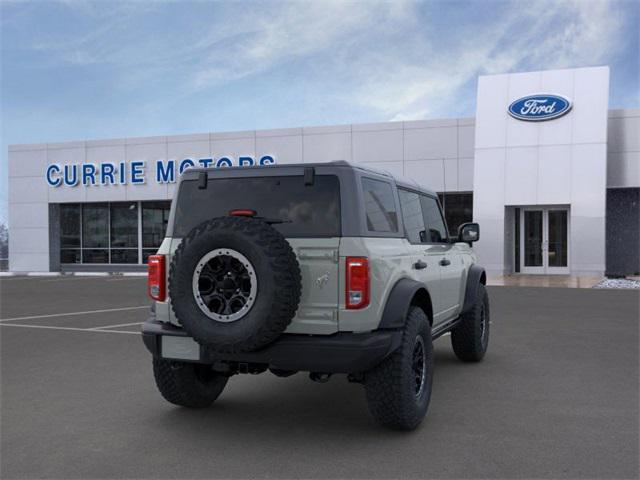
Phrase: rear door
(443, 253)
(425, 258)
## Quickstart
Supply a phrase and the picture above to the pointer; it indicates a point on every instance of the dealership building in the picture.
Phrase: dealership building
(548, 170)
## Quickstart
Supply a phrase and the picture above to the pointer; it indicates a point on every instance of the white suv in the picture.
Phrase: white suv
(325, 268)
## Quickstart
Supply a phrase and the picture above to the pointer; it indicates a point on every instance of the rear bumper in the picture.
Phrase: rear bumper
(338, 353)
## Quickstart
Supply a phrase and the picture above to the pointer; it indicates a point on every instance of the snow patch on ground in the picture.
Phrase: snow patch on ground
(618, 283)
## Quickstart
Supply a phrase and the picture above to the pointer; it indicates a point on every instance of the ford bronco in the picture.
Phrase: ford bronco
(328, 268)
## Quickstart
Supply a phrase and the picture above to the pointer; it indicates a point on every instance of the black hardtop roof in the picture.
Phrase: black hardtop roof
(400, 181)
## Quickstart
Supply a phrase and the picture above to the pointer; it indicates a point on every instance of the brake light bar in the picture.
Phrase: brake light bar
(242, 212)
(156, 279)
(357, 282)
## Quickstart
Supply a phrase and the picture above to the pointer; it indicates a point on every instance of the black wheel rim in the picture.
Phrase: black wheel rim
(224, 285)
(483, 324)
(419, 366)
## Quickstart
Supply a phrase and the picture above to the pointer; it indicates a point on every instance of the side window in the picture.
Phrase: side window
(436, 231)
(380, 207)
(412, 215)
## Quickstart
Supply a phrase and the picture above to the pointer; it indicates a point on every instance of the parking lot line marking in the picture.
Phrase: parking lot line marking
(70, 314)
(74, 329)
(116, 326)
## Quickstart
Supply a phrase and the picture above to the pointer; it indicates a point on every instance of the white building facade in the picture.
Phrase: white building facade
(550, 173)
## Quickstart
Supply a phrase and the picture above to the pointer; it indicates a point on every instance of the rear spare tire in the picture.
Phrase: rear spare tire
(234, 284)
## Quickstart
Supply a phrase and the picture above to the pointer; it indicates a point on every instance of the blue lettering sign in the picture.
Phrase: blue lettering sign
(71, 175)
(51, 180)
(184, 164)
(224, 162)
(88, 174)
(137, 172)
(106, 173)
(165, 174)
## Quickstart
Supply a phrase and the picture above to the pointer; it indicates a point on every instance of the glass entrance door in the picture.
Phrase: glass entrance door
(544, 240)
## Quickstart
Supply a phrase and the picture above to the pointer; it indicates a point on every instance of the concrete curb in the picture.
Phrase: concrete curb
(73, 274)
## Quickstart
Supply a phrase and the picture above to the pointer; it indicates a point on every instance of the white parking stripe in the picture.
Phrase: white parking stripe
(116, 326)
(70, 314)
(74, 329)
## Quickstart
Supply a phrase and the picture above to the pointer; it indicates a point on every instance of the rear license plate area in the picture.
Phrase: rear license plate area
(180, 348)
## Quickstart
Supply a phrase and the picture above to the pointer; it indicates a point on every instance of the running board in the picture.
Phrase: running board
(443, 328)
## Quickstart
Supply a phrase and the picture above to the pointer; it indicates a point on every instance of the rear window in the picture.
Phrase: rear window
(306, 210)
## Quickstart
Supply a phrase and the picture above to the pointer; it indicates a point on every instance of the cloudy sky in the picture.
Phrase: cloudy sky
(74, 70)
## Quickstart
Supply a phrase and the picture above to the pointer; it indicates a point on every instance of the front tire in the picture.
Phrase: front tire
(470, 338)
(399, 389)
(188, 384)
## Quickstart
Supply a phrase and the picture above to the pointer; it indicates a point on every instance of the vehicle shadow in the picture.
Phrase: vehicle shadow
(264, 405)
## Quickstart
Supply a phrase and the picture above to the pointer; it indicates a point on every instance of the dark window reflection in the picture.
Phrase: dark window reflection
(70, 255)
(458, 209)
(155, 216)
(124, 255)
(69, 225)
(533, 238)
(558, 238)
(124, 225)
(95, 225)
(95, 256)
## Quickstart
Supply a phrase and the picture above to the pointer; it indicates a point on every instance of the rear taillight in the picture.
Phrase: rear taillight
(156, 282)
(357, 284)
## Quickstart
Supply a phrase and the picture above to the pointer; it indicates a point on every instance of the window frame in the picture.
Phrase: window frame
(399, 232)
(434, 197)
(404, 224)
(444, 221)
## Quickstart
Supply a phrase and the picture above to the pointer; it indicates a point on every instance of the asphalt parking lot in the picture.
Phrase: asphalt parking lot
(556, 397)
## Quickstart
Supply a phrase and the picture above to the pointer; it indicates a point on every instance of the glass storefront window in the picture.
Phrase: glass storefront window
(109, 232)
(70, 255)
(458, 209)
(94, 255)
(124, 225)
(126, 255)
(69, 226)
(95, 225)
(155, 216)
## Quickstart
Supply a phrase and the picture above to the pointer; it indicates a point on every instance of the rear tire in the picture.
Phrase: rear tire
(399, 389)
(188, 384)
(470, 338)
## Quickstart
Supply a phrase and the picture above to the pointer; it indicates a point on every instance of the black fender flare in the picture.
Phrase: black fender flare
(405, 292)
(475, 277)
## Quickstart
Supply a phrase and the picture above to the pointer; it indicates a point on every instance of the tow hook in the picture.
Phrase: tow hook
(320, 377)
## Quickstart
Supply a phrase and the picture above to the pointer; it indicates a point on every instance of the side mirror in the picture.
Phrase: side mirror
(469, 232)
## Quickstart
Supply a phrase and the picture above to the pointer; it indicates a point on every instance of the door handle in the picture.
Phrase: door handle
(444, 262)
(419, 265)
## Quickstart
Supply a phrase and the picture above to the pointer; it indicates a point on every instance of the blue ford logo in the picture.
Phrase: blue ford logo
(536, 108)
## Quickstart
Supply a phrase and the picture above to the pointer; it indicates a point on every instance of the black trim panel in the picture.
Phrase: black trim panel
(397, 306)
(474, 278)
(343, 352)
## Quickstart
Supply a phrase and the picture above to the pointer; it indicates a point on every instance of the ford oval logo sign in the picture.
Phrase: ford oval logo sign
(536, 108)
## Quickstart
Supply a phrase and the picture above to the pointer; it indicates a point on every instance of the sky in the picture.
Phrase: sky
(76, 70)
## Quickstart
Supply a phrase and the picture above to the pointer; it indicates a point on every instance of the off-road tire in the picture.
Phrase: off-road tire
(278, 281)
(391, 386)
(188, 384)
(470, 338)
